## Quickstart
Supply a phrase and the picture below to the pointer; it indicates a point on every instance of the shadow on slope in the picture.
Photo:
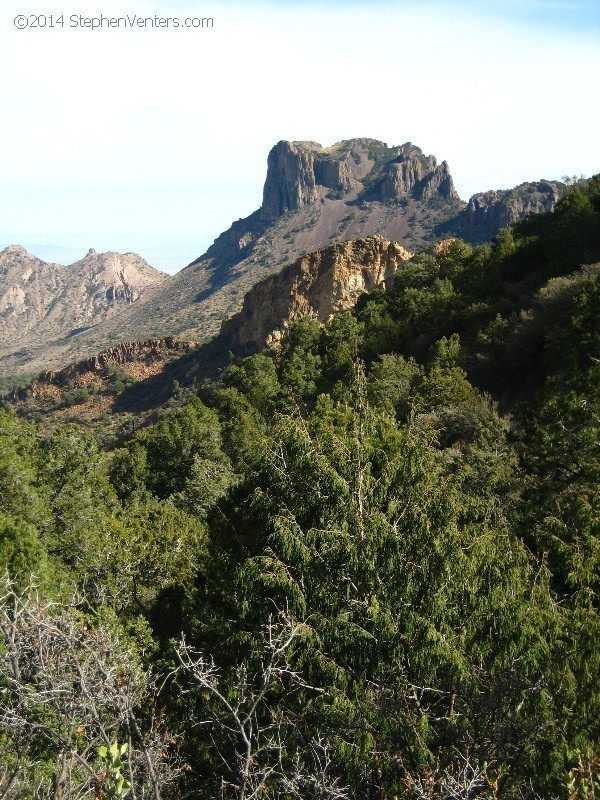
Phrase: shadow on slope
(207, 361)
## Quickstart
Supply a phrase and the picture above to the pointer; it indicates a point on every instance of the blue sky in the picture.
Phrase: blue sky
(574, 14)
(155, 140)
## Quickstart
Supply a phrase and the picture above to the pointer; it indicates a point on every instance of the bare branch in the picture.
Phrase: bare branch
(67, 686)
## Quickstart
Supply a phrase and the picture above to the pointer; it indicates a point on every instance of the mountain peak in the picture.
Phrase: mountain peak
(301, 173)
(15, 249)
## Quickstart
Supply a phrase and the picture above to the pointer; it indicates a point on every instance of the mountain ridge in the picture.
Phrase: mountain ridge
(43, 298)
(313, 197)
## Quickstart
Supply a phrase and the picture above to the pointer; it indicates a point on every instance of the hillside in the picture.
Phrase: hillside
(362, 562)
(91, 392)
(313, 197)
(364, 274)
(43, 304)
(130, 381)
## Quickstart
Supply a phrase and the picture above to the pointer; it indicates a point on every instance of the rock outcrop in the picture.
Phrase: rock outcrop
(400, 178)
(487, 212)
(438, 183)
(290, 182)
(334, 173)
(319, 284)
(300, 173)
(414, 175)
(123, 353)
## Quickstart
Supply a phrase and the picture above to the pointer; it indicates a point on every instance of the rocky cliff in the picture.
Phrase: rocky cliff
(291, 181)
(487, 212)
(319, 284)
(302, 173)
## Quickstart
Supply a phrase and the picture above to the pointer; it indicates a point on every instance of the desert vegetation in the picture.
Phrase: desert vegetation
(361, 564)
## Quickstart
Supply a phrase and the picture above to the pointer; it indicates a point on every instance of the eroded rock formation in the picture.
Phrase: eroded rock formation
(487, 212)
(319, 284)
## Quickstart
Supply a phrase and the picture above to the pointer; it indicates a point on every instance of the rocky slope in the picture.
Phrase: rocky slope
(313, 197)
(123, 354)
(108, 393)
(319, 284)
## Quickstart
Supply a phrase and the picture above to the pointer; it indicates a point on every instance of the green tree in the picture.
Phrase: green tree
(80, 497)
(353, 525)
(256, 378)
(299, 364)
(189, 436)
(19, 458)
(390, 384)
(21, 551)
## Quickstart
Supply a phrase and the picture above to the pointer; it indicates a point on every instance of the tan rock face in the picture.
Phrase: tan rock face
(443, 247)
(319, 284)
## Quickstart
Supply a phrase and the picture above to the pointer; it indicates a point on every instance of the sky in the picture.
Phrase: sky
(154, 139)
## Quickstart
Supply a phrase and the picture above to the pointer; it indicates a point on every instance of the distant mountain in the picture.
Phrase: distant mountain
(313, 197)
(42, 303)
